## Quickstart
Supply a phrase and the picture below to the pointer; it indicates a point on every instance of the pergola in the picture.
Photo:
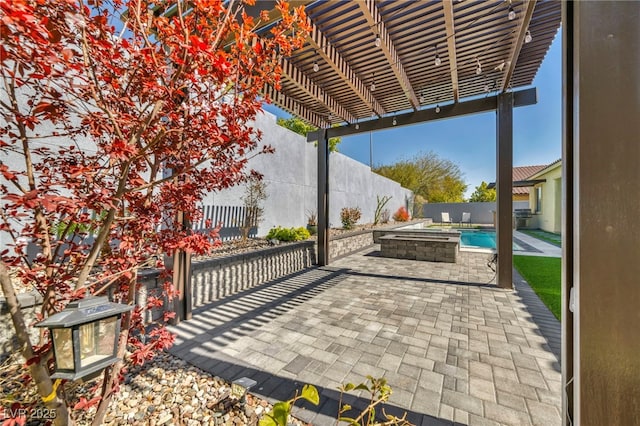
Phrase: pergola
(374, 64)
(371, 65)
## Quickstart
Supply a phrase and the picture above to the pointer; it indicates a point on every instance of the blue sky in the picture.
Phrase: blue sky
(470, 141)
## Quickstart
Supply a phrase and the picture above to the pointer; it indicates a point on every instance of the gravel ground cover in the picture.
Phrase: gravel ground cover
(163, 391)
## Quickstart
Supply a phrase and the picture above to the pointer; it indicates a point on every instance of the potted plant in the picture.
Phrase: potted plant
(312, 223)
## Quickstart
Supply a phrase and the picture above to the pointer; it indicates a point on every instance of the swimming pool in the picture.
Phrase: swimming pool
(473, 239)
(477, 239)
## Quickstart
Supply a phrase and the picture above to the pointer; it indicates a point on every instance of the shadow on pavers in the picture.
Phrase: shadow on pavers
(275, 388)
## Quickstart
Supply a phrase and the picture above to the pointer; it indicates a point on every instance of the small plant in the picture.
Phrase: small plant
(312, 223)
(254, 194)
(279, 416)
(312, 218)
(350, 216)
(401, 215)
(379, 392)
(385, 215)
(288, 234)
(381, 202)
(418, 206)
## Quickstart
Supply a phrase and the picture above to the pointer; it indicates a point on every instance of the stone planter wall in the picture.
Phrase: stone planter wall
(30, 304)
(346, 244)
(213, 279)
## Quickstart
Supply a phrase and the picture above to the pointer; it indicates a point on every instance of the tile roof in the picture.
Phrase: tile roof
(522, 173)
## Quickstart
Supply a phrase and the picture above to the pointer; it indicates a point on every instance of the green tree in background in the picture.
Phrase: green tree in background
(435, 179)
(295, 124)
(483, 193)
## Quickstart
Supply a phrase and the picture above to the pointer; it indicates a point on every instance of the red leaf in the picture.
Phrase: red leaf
(67, 54)
(257, 48)
(6, 173)
(83, 404)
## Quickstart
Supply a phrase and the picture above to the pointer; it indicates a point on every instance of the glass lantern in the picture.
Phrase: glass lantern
(85, 336)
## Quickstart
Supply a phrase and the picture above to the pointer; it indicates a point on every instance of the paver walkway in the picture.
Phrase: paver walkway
(455, 349)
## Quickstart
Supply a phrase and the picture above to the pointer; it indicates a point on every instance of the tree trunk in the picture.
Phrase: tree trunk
(37, 370)
(111, 373)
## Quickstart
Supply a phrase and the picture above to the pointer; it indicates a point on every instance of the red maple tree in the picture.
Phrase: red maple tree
(109, 133)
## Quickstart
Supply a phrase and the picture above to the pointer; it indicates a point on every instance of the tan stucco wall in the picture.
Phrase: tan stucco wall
(520, 197)
(549, 218)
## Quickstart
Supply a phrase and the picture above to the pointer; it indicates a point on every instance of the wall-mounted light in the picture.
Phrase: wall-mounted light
(527, 37)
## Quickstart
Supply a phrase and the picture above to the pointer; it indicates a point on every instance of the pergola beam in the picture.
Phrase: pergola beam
(517, 46)
(340, 66)
(451, 47)
(490, 103)
(296, 108)
(374, 19)
(305, 84)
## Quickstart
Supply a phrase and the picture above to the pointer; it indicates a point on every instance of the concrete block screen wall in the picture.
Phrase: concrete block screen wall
(290, 175)
(481, 213)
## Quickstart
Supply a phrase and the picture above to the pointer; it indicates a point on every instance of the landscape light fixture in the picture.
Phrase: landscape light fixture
(241, 386)
(527, 37)
(85, 337)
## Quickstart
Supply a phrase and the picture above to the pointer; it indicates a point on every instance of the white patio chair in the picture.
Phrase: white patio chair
(445, 218)
(466, 218)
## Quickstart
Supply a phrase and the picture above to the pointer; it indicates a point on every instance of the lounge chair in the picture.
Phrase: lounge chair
(445, 218)
(466, 218)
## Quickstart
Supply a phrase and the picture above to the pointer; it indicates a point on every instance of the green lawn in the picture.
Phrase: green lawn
(543, 275)
(549, 237)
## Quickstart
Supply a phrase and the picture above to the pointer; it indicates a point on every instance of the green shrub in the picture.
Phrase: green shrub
(350, 216)
(288, 234)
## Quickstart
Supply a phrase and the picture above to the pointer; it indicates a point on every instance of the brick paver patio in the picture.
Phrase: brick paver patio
(455, 349)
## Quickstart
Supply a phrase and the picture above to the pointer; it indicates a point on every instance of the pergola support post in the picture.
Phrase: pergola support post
(323, 198)
(504, 186)
(601, 266)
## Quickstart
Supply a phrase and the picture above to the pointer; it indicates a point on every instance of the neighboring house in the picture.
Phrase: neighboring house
(520, 175)
(538, 188)
(521, 185)
(545, 198)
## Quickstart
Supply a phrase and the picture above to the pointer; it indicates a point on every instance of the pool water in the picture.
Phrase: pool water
(480, 239)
